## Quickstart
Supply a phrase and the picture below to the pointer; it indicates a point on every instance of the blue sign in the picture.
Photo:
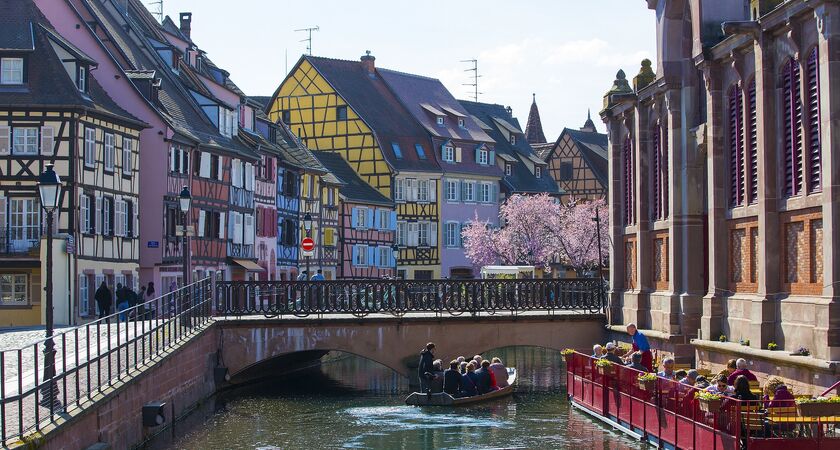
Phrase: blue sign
(153, 244)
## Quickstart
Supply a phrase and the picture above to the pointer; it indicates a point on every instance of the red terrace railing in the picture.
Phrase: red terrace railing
(669, 416)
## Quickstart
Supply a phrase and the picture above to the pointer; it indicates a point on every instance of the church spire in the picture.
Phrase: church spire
(589, 125)
(533, 130)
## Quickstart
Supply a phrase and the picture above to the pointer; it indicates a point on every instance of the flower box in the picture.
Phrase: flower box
(605, 370)
(817, 409)
(710, 405)
(647, 385)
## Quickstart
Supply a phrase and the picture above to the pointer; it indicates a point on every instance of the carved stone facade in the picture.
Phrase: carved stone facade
(724, 163)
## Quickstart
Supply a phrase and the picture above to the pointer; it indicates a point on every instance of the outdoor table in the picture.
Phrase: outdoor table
(803, 424)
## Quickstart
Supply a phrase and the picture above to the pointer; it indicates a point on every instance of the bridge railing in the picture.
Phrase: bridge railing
(91, 357)
(398, 297)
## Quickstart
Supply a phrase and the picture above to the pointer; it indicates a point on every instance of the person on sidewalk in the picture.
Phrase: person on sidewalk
(319, 276)
(641, 344)
(103, 300)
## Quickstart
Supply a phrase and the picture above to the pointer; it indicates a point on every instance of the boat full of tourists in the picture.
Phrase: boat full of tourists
(444, 399)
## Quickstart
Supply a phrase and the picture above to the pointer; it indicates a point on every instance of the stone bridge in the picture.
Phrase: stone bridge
(254, 346)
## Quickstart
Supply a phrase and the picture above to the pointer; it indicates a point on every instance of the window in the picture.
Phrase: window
(792, 143)
(423, 191)
(119, 218)
(11, 71)
(629, 181)
(84, 295)
(107, 216)
(85, 217)
(660, 172)
(384, 219)
(81, 83)
(461, 123)
(25, 141)
(423, 233)
(448, 153)
(402, 231)
(12, 288)
(385, 256)
(453, 232)
(341, 112)
(468, 191)
(399, 189)
(90, 147)
(127, 153)
(483, 156)
(441, 120)
(508, 169)
(812, 107)
(538, 171)
(129, 219)
(451, 190)
(109, 152)
(360, 255)
(485, 195)
(361, 219)
(24, 222)
(420, 152)
(286, 117)
(566, 171)
(512, 139)
(179, 160)
(397, 150)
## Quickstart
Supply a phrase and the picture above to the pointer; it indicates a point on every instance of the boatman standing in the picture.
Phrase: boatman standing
(641, 344)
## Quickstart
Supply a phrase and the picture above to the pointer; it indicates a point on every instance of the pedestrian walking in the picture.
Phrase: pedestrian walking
(103, 300)
(122, 301)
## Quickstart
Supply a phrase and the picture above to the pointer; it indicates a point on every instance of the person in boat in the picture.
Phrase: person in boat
(436, 381)
(731, 366)
(667, 368)
(499, 372)
(701, 382)
(427, 357)
(452, 379)
(636, 362)
(460, 359)
(463, 367)
(680, 374)
(776, 394)
(741, 365)
(690, 377)
(483, 382)
(611, 356)
(485, 365)
(477, 359)
(641, 344)
(597, 351)
(742, 392)
(468, 387)
(720, 386)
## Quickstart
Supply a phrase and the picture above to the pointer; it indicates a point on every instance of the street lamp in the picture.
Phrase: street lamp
(184, 201)
(307, 226)
(396, 252)
(597, 220)
(49, 188)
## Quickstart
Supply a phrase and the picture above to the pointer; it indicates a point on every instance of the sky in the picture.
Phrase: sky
(567, 52)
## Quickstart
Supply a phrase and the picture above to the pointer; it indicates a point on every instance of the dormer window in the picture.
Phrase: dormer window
(508, 169)
(483, 155)
(341, 112)
(448, 153)
(512, 139)
(461, 123)
(441, 121)
(81, 81)
(11, 71)
(538, 171)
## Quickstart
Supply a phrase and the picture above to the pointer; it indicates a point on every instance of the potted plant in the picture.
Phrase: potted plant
(801, 351)
(722, 338)
(708, 401)
(567, 353)
(817, 407)
(647, 381)
(605, 367)
(772, 346)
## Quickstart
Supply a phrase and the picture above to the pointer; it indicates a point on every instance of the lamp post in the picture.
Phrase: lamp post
(307, 227)
(49, 188)
(184, 201)
(597, 220)
(396, 252)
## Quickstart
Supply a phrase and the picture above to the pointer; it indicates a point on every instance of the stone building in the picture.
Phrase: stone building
(723, 187)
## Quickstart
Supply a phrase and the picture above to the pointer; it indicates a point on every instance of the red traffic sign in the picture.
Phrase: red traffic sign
(307, 244)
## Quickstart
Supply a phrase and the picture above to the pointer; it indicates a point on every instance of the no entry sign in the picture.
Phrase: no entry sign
(307, 244)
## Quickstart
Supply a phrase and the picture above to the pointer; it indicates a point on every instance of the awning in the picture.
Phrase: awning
(248, 265)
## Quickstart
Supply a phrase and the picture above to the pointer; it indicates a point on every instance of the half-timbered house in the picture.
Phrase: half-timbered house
(578, 163)
(345, 107)
(53, 112)
(367, 224)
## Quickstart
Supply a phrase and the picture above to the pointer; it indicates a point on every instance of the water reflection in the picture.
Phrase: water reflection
(350, 402)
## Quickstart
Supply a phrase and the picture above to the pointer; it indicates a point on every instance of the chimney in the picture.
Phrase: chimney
(186, 23)
(368, 63)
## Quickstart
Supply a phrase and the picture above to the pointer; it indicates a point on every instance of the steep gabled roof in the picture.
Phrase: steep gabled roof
(521, 178)
(533, 130)
(593, 148)
(353, 188)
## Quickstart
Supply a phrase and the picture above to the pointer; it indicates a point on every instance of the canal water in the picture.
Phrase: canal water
(351, 402)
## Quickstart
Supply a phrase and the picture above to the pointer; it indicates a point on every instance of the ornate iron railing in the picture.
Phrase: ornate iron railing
(398, 297)
(91, 357)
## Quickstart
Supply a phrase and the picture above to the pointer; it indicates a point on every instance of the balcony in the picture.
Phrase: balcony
(172, 250)
(11, 244)
(240, 250)
(241, 198)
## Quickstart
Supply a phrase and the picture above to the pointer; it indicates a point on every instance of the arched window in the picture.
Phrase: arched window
(629, 182)
(736, 147)
(792, 126)
(813, 108)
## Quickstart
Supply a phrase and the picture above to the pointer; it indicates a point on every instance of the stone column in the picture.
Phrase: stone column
(769, 257)
(711, 323)
(641, 161)
(827, 326)
(615, 200)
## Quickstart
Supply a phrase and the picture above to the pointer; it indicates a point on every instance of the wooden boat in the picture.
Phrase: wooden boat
(444, 399)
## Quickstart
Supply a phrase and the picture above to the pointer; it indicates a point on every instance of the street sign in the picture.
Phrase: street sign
(308, 254)
(153, 244)
(307, 244)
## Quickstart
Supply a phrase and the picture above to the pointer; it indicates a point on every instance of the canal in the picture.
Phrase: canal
(351, 402)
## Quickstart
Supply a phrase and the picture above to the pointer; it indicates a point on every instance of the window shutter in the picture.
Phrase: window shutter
(220, 173)
(83, 212)
(376, 212)
(393, 220)
(4, 139)
(457, 154)
(238, 229)
(355, 253)
(393, 261)
(135, 229)
(433, 234)
(118, 217)
(249, 229)
(249, 176)
(814, 155)
(458, 228)
(98, 216)
(477, 153)
(491, 160)
(201, 218)
(172, 157)
(235, 178)
(432, 190)
(204, 170)
(463, 191)
(369, 218)
(354, 218)
(657, 172)
(221, 225)
(414, 234)
(47, 140)
(753, 146)
(3, 223)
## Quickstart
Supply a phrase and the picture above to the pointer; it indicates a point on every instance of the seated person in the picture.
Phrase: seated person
(477, 359)
(611, 356)
(452, 379)
(690, 377)
(741, 365)
(483, 382)
(680, 374)
(436, 380)
(462, 367)
(667, 368)
(468, 388)
(486, 366)
(776, 394)
(597, 351)
(701, 382)
(742, 389)
(499, 372)
(730, 367)
(636, 362)
(720, 386)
